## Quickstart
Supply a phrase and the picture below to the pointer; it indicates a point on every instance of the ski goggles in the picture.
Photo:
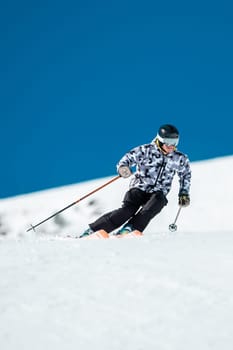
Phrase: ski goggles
(168, 141)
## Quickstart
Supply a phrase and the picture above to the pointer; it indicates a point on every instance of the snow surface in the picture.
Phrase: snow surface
(164, 291)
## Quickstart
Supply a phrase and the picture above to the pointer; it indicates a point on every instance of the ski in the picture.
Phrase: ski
(134, 233)
(102, 234)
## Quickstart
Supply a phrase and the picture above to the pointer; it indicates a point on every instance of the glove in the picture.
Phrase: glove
(124, 171)
(184, 200)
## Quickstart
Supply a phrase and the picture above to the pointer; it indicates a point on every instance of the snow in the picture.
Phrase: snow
(164, 291)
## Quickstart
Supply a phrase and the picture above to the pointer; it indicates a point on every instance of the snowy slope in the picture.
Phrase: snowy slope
(211, 202)
(165, 291)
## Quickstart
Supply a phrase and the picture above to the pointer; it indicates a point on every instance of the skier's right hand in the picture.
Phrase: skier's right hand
(124, 171)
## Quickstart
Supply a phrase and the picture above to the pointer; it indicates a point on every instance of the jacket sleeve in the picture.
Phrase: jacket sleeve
(130, 158)
(184, 174)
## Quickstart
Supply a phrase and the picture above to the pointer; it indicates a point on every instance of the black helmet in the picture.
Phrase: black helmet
(168, 134)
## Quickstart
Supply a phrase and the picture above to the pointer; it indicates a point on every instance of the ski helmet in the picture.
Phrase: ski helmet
(168, 134)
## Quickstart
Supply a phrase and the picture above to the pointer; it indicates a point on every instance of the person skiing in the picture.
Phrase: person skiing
(156, 164)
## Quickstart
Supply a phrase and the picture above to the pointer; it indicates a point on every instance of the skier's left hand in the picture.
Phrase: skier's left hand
(184, 200)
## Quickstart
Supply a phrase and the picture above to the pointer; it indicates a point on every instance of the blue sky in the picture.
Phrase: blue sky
(83, 82)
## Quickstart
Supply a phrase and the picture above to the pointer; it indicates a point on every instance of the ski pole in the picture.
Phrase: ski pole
(173, 226)
(77, 201)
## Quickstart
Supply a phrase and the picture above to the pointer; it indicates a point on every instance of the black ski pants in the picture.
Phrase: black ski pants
(138, 209)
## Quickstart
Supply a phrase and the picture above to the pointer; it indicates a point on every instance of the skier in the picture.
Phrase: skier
(156, 164)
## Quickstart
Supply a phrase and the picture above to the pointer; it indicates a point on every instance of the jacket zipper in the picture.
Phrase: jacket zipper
(161, 170)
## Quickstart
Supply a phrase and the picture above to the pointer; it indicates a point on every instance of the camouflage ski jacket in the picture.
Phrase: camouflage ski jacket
(155, 170)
